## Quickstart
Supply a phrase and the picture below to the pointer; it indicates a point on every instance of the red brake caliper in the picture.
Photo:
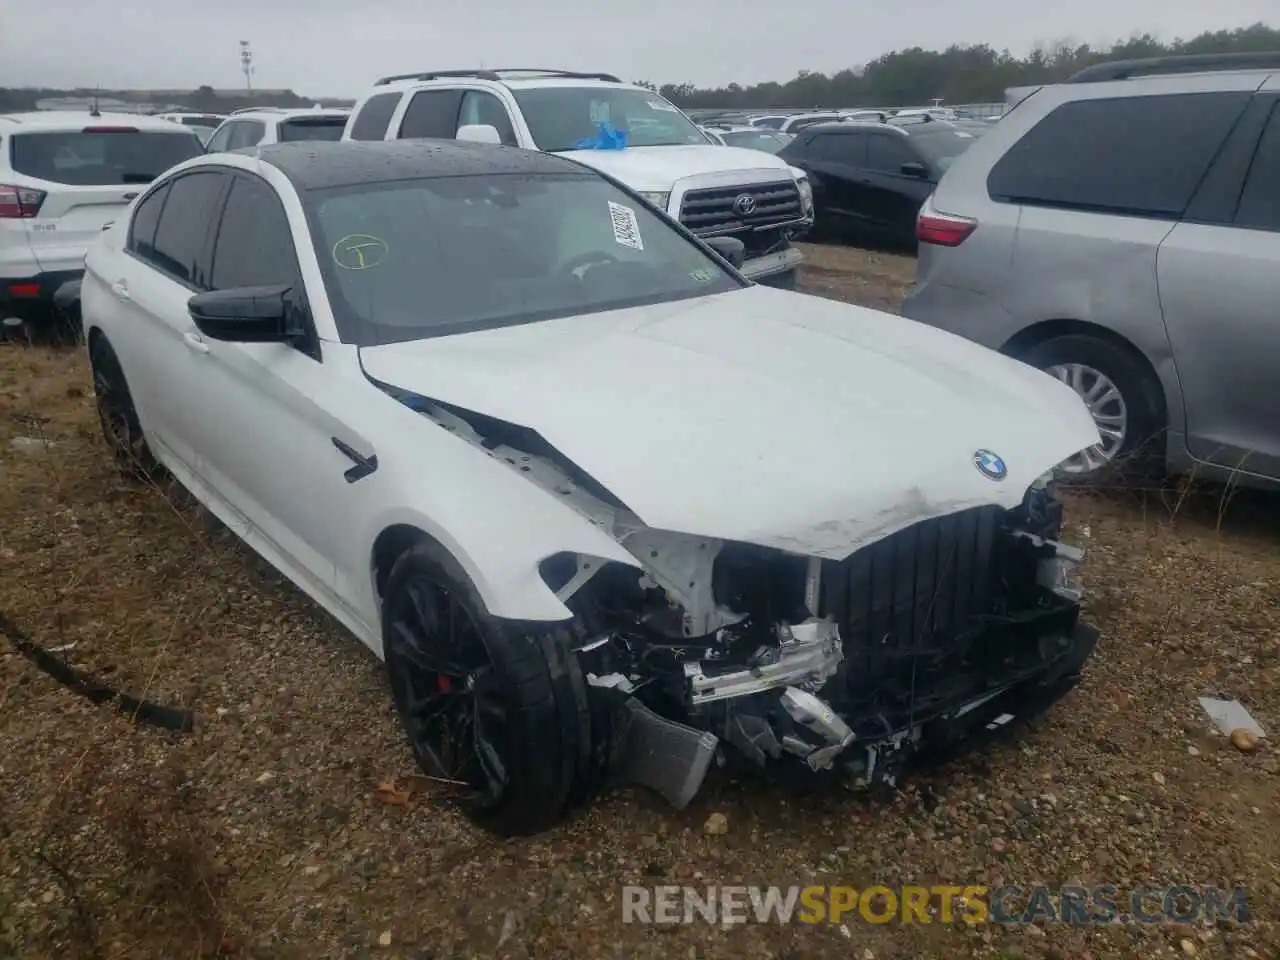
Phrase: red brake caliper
(443, 683)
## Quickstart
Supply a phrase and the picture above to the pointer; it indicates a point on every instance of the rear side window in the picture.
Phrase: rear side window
(375, 116)
(850, 148)
(101, 156)
(431, 113)
(142, 232)
(1132, 156)
(1260, 201)
(179, 248)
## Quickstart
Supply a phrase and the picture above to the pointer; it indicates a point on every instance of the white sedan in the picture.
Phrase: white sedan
(603, 506)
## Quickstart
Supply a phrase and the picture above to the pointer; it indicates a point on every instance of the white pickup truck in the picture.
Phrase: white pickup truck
(626, 131)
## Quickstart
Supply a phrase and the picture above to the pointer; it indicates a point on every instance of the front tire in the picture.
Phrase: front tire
(1123, 398)
(494, 707)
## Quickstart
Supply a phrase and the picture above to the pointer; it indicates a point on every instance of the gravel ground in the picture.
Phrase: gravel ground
(288, 824)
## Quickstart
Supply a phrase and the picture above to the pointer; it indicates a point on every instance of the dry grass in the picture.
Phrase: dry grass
(261, 834)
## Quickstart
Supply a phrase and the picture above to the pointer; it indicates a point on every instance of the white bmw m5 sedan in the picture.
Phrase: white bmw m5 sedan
(605, 508)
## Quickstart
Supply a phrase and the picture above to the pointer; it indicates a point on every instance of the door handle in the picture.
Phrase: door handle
(195, 342)
(120, 289)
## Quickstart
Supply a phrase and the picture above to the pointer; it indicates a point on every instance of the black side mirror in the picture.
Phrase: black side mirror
(914, 169)
(731, 248)
(246, 314)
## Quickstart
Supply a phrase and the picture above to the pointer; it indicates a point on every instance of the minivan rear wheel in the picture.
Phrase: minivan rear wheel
(1123, 398)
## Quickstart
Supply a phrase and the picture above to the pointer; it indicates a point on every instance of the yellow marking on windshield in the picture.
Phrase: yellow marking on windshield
(360, 251)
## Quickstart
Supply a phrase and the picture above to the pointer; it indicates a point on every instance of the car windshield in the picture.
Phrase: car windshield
(568, 118)
(410, 259)
(942, 146)
(765, 140)
(101, 156)
(312, 128)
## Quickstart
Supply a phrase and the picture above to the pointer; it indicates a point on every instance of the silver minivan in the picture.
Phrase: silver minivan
(1121, 231)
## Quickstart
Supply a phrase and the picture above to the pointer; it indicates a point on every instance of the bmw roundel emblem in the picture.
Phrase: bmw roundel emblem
(990, 465)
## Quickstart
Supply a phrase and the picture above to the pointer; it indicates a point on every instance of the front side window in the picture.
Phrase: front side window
(419, 258)
(247, 133)
(1131, 156)
(254, 247)
(941, 147)
(887, 153)
(479, 107)
(179, 248)
(220, 138)
(564, 118)
(101, 156)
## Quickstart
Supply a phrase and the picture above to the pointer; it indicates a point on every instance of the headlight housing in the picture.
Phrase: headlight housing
(658, 198)
(806, 195)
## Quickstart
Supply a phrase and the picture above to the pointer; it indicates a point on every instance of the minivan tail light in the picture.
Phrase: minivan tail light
(19, 203)
(944, 229)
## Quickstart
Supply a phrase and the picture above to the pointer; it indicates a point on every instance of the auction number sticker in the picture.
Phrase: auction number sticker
(626, 229)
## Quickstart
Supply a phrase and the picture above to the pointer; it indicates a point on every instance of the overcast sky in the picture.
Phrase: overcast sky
(332, 48)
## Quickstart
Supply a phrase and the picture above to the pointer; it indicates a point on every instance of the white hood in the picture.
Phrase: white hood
(658, 168)
(762, 416)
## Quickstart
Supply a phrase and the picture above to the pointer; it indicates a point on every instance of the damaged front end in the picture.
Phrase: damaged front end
(950, 626)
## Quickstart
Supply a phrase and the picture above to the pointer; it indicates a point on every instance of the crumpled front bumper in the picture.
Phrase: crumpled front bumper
(673, 758)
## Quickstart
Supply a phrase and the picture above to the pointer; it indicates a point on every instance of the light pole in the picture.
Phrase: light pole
(246, 64)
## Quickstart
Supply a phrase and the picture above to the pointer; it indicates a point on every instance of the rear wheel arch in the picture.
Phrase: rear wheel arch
(1024, 340)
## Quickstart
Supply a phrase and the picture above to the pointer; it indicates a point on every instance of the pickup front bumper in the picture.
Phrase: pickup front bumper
(773, 264)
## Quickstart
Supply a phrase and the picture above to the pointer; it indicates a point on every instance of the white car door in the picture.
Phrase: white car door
(268, 434)
(163, 264)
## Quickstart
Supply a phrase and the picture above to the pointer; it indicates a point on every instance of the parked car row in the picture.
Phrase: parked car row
(52, 206)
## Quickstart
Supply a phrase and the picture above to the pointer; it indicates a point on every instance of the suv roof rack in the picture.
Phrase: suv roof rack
(256, 110)
(499, 75)
(1185, 63)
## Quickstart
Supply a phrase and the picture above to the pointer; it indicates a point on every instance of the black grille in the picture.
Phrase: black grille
(909, 607)
(711, 211)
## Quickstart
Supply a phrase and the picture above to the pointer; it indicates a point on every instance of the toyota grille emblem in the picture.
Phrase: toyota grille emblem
(744, 204)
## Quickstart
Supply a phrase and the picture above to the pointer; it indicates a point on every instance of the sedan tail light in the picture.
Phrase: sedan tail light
(942, 229)
(19, 203)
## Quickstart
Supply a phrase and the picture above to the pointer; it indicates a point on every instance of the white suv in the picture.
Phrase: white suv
(258, 126)
(627, 132)
(64, 177)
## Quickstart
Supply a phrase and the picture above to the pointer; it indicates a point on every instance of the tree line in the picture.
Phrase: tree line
(959, 74)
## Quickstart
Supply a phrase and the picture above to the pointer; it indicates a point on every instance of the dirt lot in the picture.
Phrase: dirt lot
(264, 833)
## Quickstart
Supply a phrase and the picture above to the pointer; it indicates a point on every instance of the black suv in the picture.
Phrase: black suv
(869, 179)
